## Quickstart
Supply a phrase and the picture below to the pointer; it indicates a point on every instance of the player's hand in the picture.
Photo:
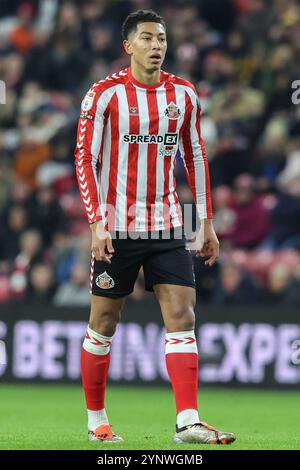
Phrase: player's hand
(102, 247)
(208, 242)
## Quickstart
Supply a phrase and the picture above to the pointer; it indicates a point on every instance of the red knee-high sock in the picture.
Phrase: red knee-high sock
(95, 359)
(182, 366)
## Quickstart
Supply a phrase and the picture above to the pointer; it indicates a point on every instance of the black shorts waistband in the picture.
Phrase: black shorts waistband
(176, 233)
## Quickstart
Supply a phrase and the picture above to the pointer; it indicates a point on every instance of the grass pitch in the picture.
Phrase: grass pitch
(54, 417)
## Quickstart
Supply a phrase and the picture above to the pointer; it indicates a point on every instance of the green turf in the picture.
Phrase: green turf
(53, 417)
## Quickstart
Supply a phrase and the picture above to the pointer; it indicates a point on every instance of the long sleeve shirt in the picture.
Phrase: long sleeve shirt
(127, 141)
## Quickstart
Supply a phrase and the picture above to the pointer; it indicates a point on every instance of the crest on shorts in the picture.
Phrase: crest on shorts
(88, 100)
(172, 111)
(104, 281)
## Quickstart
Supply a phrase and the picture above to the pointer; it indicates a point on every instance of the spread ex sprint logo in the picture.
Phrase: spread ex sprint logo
(171, 138)
(2, 92)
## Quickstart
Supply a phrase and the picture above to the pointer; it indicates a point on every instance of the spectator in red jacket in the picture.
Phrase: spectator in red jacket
(251, 221)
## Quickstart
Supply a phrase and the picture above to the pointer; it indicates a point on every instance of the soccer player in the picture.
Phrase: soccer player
(130, 128)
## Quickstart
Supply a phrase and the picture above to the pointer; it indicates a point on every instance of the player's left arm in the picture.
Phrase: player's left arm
(196, 164)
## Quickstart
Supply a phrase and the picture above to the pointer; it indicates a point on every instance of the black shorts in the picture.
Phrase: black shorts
(163, 261)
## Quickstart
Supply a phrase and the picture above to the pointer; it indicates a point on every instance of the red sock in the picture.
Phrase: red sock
(95, 358)
(182, 366)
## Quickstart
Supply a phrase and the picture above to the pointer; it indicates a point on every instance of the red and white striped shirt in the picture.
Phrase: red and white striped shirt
(128, 137)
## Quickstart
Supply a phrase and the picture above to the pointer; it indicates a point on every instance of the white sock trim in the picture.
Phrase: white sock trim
(96, 343)
(187, 417)
(95, 418)
(181, 342)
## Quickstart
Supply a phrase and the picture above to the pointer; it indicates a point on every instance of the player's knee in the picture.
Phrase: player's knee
(183, 319)
(104, 323)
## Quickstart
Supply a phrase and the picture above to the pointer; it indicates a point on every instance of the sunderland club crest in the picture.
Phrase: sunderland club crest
(104, 281)
(133, 111)
(172, 111)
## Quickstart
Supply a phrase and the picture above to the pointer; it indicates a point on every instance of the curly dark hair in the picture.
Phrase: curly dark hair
(140, 16)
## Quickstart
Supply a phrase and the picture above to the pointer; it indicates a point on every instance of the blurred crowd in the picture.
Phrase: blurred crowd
(242, 56)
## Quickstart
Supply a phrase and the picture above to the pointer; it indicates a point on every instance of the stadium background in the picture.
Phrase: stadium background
(242, 56)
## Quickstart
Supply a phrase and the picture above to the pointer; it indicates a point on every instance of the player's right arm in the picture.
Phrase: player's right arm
(102, 247)
(90, 131)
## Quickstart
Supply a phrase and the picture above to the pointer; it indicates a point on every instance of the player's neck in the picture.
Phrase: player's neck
(143, 76)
